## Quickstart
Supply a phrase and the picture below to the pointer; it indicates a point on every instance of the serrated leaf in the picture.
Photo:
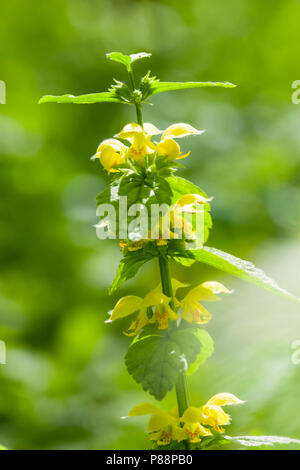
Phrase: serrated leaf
(91, 98)
(207, 348)
(160, 87)
(232, 265)
(127, 60)
(156, 361)
(258, 441)
(129, 266)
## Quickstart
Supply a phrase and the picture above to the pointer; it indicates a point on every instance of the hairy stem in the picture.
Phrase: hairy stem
(138, 106)
(181, 386)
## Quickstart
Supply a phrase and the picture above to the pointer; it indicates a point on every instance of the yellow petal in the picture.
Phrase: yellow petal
(195, 432)
(190, 199)
(143, 409)
(181, 130)
(195, 312)
(139, 323)
(179, 434)
(126, 306)
(155, 298)
(150, 129)
(112, 143)
(177, 285)
(169, 148)
(214, 416)
(192, 415)
(221, 399)
(130, 130)
(160, 420)
(207, 292)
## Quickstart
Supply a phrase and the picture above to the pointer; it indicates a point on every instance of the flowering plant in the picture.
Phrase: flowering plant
(169, 341)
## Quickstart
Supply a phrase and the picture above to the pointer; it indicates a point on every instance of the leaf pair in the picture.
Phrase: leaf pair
(120, 93)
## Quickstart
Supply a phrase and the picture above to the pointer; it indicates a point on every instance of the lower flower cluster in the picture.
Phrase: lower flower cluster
(195, 424)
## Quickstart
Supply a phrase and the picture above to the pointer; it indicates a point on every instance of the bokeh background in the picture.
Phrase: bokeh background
(65, 385)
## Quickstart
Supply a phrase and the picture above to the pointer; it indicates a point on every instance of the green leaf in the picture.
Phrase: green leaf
(258, 441)
(108, 97)
(179, 187)
(127, 60)
(2, 447)
(130, 265)
(232, 265)
(160, 87)
(207, 348)
(151, 86)
(156, 361)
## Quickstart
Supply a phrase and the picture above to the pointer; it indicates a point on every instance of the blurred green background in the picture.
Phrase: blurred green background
(65, 385)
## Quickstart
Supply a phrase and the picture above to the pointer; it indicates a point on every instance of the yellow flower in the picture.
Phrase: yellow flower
(168, 147)
(192, 310)
(181, 213)
(195, 423)
(131, 245)
(111, 152)
(210, 415)
(161, 312)
(163, 426)
(140, 139)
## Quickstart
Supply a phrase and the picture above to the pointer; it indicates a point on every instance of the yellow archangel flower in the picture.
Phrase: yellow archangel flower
(140, 139)
(183, 215)
(154, 307)
(196, 423)
(168, 147)
(163, 426)
(111, 152)
(209, 416)
(192, 310)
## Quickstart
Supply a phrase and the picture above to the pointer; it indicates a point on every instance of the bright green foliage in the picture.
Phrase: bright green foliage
(207, 349)
(105, 97)
(156, 361)
(262, 441)
(232, 265)
(127, 60)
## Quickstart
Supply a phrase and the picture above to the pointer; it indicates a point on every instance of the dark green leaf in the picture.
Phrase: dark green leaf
(130, 264)
(156, 361)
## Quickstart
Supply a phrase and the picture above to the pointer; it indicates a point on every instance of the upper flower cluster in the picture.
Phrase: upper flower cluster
(195, 423)
(112, 152)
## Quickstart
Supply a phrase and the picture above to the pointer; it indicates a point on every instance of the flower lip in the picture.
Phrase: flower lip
(179, 130)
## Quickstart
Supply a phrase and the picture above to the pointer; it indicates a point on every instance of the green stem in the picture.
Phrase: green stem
(139, 115)
(166, 283)
(181, 386)
(138, 106)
